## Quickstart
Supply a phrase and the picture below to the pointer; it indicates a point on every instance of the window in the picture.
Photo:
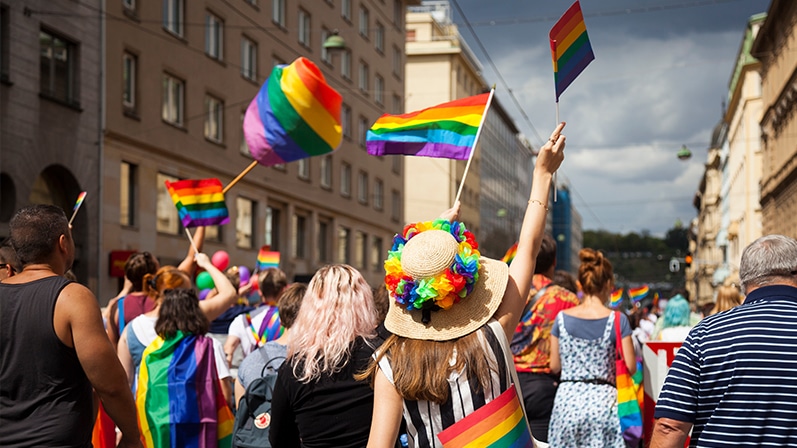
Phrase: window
(127, 194)
(397, 106)
(379, 90)
(360, 250)
(345, 9)
(376, 253)
(214, 120)
(304, 168)
(213, 233)
(243, 148)
(276, 60)
(4, 43)
(129, 4)
(396, 165)
(167, 217)
(304, 28)
(345, 64)
(395, 212)
(58, 69)
(326, 172)
(244, 223)
(299, 224)
(397, 61)
(248, 59)
(345, 179)
(364, 17)
(363, 78)
(398, 13)
(362, 131)
(173, 11)
(362, 187)
(272, 231)
(322, 248)
(345, 120)
(343, 245)
(379, 39)
(379, 192)
(173, 97)
(129, 80)
(326, 56)
(278, 12)
(214, 36)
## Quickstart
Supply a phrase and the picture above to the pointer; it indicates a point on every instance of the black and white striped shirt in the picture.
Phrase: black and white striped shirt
(735, 377)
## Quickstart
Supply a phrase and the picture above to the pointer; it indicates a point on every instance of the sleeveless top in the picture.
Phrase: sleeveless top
(131, 306)
(45, 396)
(426, 419)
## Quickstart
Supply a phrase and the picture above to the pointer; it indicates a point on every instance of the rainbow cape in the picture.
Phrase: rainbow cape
(267, 259)
(200, 202)
(617, 297)
(179, 398)
(637, 294)
(447, 130)
(510, 254)
(295, 115)
(498, 424)
(570, 48)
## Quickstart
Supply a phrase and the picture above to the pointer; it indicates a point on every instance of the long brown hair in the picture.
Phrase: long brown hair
(180, 312)
(421, 368)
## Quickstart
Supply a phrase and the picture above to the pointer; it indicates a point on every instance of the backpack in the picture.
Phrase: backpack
(253, 419)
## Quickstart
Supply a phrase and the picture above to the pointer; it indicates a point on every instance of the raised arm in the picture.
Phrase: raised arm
(187, 265)
(522, 268)
(226, 294)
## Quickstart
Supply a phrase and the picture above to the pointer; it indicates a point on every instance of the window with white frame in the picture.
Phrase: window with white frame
(362, 131)
(363, 79)
(379, 193)
(304, 27)
(398, 13)
(364, 18)
(345, 179)
(128, 174)
(395, 211)
(245, 222)
(345, 64)
(396, 166)
(345, 9)
(376, 253)
(304, 168)
(323, 240)
(278, 12)
(173, 107)
(362, 187)
(129, 79)
(248, 59)
(167, 218)
(214, 119)
(326, 55)
(299, 231)
(379, 38)
(58, 67)
(343, 245)
(214, 36)
(379, 90)
(173, 12)
(271, 233)
(345, 120)
(397, 61)
(243, 148)
(360, 249)
(398, 106)
(326, 171)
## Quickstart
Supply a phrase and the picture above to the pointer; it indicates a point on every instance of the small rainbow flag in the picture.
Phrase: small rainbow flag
(447, 130)
(179, 397)
(200, 202)
(617, 297)
(637, 294)
(498, 424)
(295, 115)
(510, 254)
(79, 201)
(267, 259)
(570, 48)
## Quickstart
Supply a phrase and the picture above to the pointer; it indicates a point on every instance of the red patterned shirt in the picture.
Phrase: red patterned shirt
(531, 342)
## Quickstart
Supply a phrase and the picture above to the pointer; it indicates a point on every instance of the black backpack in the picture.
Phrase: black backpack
(253, 419)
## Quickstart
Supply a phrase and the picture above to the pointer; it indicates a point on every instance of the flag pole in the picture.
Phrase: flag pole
(240, 176)
(555, 187)
(475, 142)
(191, 239)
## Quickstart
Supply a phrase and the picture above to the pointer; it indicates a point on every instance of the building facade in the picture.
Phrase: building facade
(567, 231)
(776, 48)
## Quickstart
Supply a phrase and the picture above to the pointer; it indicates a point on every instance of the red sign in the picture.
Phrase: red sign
(116, 262)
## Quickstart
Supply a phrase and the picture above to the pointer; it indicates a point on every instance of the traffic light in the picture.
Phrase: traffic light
(688, 259)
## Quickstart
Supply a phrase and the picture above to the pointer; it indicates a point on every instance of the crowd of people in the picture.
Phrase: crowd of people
(412, 362)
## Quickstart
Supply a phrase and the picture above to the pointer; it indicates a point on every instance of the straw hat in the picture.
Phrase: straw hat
(429, 254)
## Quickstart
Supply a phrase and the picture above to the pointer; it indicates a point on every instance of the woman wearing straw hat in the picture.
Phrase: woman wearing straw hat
(451, 314)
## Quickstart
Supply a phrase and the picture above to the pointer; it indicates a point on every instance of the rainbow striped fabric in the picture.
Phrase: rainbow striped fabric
(447, 130)
(267, 259)
(617, 297)
(510, 254)
(270, 327)
(498, 424)
(637, 294)
(179, 397)
(295, 115)
(570, 48)
(200, 202)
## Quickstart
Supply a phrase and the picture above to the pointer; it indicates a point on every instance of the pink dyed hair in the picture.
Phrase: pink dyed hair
(337, 309)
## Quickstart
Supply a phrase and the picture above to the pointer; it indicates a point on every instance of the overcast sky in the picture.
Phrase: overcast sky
(658, 81)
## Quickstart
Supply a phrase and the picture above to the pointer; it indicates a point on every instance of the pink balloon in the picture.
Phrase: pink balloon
(221, 259)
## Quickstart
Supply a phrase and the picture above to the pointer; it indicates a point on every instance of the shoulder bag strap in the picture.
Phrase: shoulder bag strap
(618, 337)
(498, 330)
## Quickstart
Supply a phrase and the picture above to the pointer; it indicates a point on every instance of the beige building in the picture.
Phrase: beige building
(776, 48)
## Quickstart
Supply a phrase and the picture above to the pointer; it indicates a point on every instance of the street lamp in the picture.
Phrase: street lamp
(684, 153)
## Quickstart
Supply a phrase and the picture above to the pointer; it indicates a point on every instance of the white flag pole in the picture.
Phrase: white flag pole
(475, 142)
(555, 187)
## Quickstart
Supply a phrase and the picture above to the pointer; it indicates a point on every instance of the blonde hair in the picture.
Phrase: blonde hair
(337, 309)
(727, 297)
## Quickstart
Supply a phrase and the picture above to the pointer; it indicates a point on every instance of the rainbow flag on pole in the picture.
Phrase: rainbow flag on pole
(510, 254)
(200, 202)
(570, 48)
(637, 294)
(179, 397)
(617, 297)
(448, 130)
(267, 259)
(79, 201)
(295, 115)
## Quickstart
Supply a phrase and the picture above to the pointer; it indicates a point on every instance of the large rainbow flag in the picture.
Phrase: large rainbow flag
(200, 202)
(498, 424)
(637, 294)
(617, 297)
(447, 130)
(179, 398)
(570, 48)
(295, 115)
(510, 254)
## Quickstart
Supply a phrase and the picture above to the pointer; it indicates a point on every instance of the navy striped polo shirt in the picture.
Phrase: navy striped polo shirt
(735, 377)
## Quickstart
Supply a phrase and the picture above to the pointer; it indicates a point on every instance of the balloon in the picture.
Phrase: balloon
(244, 274)
(221, 259)
(203, 294)
(204, 281)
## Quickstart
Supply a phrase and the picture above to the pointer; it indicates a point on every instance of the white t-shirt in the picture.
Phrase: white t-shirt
(241, 329)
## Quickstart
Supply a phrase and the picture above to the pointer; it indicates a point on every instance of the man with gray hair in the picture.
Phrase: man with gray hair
(734, 380)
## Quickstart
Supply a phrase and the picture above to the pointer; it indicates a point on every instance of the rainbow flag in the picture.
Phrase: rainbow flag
(570, 48)
(498, 424)
(295, 115)
(79, 201)
(510, 254)
(637, 294)
(200, 202)
(179, 397)
(617, 297)
(447, 130)
(267, 259)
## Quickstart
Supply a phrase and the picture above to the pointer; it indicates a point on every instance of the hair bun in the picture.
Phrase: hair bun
(590, 256)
